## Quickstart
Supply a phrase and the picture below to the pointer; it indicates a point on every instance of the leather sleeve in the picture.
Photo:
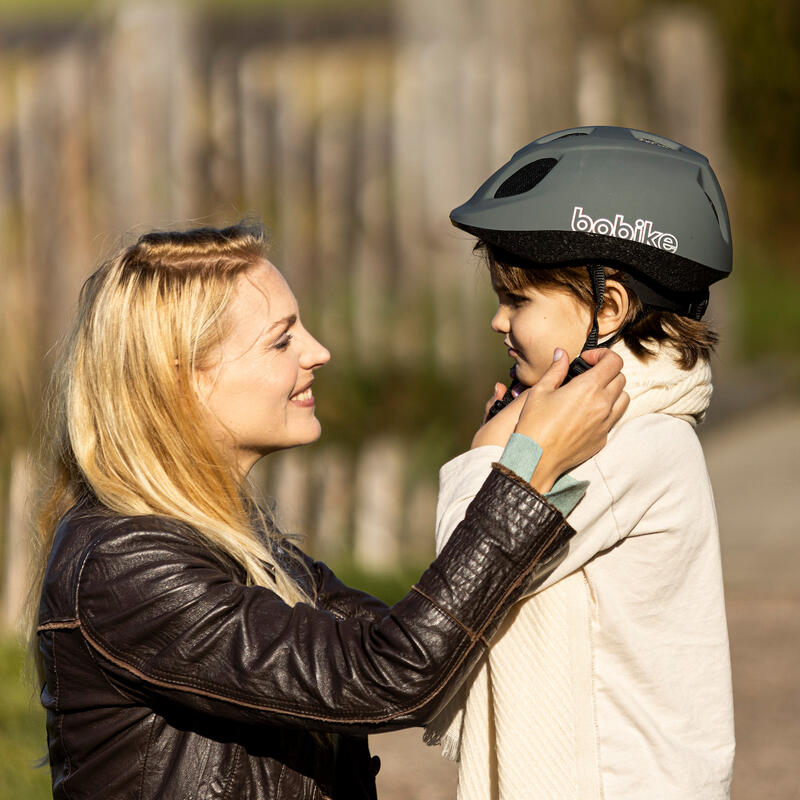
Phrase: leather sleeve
(342, 600)
(332, 595)
(168, 625)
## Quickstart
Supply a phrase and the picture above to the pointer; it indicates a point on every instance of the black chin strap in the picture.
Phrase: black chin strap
(597, 274)
(693, 309)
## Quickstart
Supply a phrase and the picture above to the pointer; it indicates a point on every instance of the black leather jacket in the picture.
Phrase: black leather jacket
(168, 678)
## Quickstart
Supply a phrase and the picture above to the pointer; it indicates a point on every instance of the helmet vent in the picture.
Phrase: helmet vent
(647, 140)
(574, 133)
(523, 180)
(653, 139)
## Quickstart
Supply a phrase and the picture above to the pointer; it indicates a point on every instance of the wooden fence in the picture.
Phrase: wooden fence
(353, 153)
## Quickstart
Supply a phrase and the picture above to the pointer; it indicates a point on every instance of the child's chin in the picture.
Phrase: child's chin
(527, 375)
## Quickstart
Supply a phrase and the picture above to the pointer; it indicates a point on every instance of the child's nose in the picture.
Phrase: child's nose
(500, 321)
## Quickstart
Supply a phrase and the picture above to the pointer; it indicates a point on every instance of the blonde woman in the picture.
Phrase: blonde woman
(186, 649)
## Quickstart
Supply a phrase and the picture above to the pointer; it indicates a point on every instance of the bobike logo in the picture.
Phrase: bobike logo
(641, 230)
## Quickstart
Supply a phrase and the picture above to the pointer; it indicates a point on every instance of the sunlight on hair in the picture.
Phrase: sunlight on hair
(123, 421)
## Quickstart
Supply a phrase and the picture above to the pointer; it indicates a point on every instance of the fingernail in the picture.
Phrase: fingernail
(557, 353)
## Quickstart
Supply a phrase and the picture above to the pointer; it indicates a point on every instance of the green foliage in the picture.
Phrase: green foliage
(389, 587)
(22, 731)
(54, 10)
(762, 63)
(416, 402)
(768, 298)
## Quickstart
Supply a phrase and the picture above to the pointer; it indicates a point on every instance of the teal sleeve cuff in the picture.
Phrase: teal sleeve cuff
(522, 456)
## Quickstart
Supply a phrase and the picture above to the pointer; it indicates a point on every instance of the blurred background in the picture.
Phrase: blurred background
(351, 128)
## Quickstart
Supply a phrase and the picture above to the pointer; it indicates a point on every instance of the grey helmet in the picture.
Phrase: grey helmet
(610, 196)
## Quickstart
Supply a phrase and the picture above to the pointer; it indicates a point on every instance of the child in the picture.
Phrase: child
(612, 679)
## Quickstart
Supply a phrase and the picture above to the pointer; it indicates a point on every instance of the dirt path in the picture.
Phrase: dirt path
(754, 463)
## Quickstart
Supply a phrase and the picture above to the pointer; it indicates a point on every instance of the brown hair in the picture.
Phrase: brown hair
(693, 340)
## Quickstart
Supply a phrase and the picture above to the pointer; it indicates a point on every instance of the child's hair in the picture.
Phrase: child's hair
(124, 423)
(692, 340)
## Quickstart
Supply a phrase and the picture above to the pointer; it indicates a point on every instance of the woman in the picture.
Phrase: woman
(186, 649)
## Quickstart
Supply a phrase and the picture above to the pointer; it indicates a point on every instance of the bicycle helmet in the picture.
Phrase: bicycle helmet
(610, 196)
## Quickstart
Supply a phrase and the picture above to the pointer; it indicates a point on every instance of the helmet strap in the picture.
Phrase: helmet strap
(698, 308)
(597, 275)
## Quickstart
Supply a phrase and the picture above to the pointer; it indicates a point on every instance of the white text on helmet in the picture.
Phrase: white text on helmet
(641, 231)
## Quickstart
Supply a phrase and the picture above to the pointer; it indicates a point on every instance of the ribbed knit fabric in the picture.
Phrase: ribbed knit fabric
(524, 725)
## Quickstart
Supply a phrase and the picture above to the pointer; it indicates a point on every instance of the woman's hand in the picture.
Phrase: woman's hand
(570, 423)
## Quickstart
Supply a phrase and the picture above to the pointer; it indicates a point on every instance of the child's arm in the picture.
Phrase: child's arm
(521, 455)
(649, 463)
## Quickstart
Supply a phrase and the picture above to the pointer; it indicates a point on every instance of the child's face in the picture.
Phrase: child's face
(535, 322)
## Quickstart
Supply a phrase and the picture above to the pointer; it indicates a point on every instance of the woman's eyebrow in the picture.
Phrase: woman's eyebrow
(284, 323)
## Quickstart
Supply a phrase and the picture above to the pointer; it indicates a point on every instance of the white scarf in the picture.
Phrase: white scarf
(534, 648)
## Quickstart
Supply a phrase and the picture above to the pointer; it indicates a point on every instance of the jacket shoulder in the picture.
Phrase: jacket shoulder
(80, 532)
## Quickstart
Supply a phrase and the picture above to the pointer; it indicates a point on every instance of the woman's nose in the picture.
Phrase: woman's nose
(315, 354)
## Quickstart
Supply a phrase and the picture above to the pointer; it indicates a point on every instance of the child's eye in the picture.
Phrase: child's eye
(283, 342)
(513, 300)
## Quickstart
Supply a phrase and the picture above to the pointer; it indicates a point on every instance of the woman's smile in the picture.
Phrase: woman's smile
(303, 398)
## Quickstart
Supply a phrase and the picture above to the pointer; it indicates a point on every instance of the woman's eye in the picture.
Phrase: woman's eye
(283, 342)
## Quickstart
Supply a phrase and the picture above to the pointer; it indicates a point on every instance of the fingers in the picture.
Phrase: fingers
(615, 386)
(616, 399)
(618, 409)
(499, 393)
(606, 365)
(556, 372)
(594, 355)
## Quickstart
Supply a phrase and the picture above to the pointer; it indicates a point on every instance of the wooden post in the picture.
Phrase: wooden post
(338, 92)
(332, 479)
(373, 284)
(408, 212)
(257, 104)
(19, 339)
(599, 86)
(188, 133)
(420, 524)
(225, 132)
(289, 485)
(17, 545)
(296, 108)
(379, 505)
(54, 171)
(155, 117)
(687, 88)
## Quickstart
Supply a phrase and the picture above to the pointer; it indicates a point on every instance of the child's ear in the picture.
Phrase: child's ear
(614, 309)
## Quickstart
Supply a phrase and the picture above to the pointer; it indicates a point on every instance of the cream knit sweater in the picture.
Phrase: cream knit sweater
(613, 679)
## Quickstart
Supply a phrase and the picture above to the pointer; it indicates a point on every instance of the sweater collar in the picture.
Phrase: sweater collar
(659, 385)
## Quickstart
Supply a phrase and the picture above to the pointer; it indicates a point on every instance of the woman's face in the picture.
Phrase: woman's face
(256, 387)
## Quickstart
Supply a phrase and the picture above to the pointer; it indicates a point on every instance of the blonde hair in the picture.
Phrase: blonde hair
(124, 418)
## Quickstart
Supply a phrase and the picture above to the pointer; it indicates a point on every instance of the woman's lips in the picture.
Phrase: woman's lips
(305, 399)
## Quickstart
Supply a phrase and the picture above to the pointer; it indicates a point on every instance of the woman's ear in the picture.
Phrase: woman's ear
(614, 309)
